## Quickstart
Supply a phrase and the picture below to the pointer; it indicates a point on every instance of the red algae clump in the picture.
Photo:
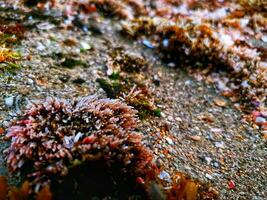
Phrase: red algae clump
(56, 135)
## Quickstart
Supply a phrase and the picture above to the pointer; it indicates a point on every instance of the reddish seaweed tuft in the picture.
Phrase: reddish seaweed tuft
(56, 135)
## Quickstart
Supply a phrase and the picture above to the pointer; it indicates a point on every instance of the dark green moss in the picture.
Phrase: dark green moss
(78, 81)
(82, 50)
(71, 63)
(114, 76)
(157, 112)
(57, 55)
(144, 114)
(112, 88)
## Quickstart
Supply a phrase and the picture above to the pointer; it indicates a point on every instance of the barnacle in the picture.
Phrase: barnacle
(56, 135)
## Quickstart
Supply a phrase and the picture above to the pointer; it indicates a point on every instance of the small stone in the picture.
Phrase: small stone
(178, 119)
(163, 115)
(265, 135)
(207, 117)
(165, 43)
(30, 81)
(188, 82)
(45, 26)
(40, 46)
(148, 44)
(169, 140)
(195, 137)
(170, 118)
(9, 101)
(245, 84)
(165, 176)
(260, 120)
(220, 102)
(1, 131)
(208, 160)
(216, 164)
(231, 185)
(264, 38)
(85, 46)
(171, 64)
(220, 145)
(216, 130)
(208, 176)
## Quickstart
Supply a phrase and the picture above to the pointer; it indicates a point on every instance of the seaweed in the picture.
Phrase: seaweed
(112, 88)
(56, 139)
(9, 67)
(71, 63)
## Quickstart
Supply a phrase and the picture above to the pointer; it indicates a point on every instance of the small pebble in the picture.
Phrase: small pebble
(231, 185)
(216, 164)
(220, 145)
(208, 160)
(165, 42)
(220, 102)
(165, 176)
(208, 176)
(178, 119)
(260, 120)
(169, 140)
(148, 44)
(216, 130)
(245, 84)
(85, 46)
(40, 46)
(188, 82)
(9, 101)
(195, 137)
(30, 81)
(171, 64)
(45, 26)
